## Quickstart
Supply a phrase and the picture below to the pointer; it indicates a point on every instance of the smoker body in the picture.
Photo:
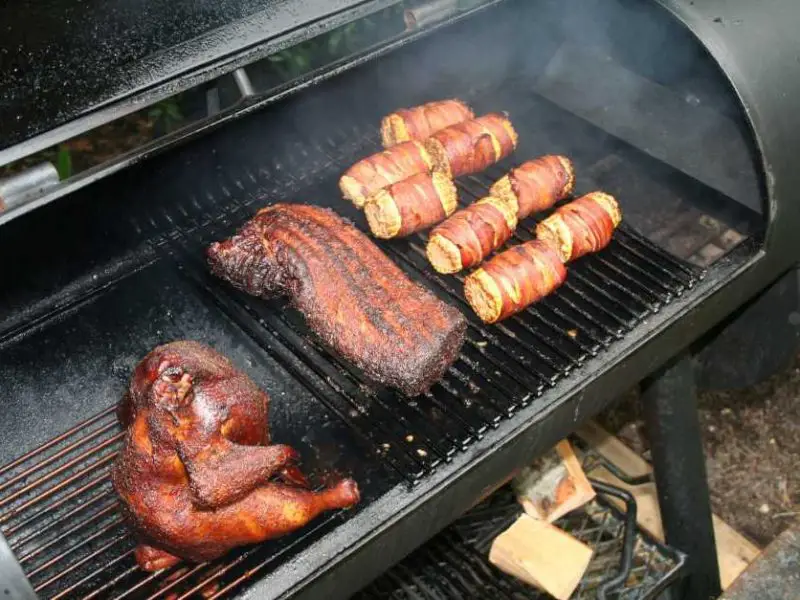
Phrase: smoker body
(110, 265)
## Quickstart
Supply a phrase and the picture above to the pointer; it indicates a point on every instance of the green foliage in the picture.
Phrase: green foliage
(64, 162)
(340, 42)
(167, 113)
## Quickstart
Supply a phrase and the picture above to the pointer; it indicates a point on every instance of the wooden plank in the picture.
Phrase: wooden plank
(554, 484)
(541, 555)
(734, 551)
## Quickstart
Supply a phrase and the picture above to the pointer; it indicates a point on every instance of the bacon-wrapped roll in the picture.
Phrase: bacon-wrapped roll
(536, 185)
(375, 172)
(470, 235)
(471, 146)
(584, 225)
(411, 205)
(514, 279)
(420, 122)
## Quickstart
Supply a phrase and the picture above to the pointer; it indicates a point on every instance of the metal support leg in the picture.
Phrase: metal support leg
(673, 429)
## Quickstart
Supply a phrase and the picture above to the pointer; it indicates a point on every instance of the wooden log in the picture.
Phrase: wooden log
(554, 485)
(541, 555)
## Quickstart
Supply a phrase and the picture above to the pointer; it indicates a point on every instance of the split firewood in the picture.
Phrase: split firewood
(541, 555)
(554, 485)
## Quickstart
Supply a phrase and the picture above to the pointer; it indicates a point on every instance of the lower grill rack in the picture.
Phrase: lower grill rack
(455, 565)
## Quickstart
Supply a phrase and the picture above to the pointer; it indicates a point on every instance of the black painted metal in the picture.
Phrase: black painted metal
(756, 342)
(669, 401)
(63, 61)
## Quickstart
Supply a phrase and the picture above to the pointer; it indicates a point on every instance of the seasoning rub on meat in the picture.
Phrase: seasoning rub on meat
(355, 299)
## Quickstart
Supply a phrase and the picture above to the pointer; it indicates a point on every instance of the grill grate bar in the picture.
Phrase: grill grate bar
(58, 487)
(546, 371)
(387, 404)
(72, 512)
(89, 557)
(668, 289)
(51, 459)
(84, 580)
(33, 553)
(114, 523)
(60, 438)
(45, 511)
(56, 472)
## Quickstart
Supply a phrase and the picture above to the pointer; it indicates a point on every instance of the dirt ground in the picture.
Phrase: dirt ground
(752, 444)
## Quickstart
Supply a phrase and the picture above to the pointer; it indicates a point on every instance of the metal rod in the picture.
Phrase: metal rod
(45, 511)
(27, 185)
(629, 537)
(51, 459)
(673, 428)
(57, 439)
(65, 467)
(243, 83)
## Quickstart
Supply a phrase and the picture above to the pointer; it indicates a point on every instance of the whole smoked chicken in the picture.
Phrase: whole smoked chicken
(196, 474)
(353, 297)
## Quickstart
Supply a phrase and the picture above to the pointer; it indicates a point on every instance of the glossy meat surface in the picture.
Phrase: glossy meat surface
(196, 475)
(411, 205)
(352, 296)
(470, 235)
(419, 122)
(536, 185)
(513, 280)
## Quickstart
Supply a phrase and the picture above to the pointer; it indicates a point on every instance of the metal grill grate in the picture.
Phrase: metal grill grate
(57, 508)
(454, 564)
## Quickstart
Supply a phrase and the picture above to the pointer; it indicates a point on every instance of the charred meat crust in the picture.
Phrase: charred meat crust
(352, 296)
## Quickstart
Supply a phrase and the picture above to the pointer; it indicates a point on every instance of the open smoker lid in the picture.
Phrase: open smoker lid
(70, 65)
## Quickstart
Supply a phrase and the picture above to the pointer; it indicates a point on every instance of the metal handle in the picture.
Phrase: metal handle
(628, 538)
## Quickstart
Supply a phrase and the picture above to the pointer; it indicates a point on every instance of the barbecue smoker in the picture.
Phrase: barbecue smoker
(684, 110)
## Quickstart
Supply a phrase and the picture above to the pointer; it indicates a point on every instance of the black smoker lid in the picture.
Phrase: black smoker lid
(85, 62)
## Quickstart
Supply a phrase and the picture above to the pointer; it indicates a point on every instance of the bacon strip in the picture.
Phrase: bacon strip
(375, 172)
(536, 185)
(421, 122)
(411, 205)
(583, 226)
(471, 146)
(470, 235)
(513, 280)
